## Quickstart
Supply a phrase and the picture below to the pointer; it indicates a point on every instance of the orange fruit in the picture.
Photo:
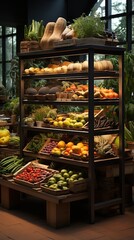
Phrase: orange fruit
(85, 148)
(69, 144)
(116, 95)
(66, 153)
(80, 144)
(68, 149)
(85, 152)
(76, 149)
(61, 144)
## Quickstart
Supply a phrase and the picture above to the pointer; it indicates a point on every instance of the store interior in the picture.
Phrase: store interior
(67, 120)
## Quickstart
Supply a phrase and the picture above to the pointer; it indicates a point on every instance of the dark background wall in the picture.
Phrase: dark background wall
(18, 13)
(50, 10)
(13, 13)
(46, 10)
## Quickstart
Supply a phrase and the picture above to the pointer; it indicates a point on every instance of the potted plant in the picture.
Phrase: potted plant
(39, 114)
(11, 109)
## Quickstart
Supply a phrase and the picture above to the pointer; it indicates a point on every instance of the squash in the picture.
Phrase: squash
(64, 33)
(98, 66)
(70, 67)
(47, 33)
(110, 65)
(104, 64)
(85, 66)
(64, 63)
(77, 67)
(70, 34)
(59, 27)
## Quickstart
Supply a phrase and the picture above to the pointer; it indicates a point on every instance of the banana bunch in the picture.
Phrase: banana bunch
(10, 164)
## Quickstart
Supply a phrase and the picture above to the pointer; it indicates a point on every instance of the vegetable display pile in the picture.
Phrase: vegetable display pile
(10, 164)
(33, 174)
(34, 31)
(88, 26)
(36, 143)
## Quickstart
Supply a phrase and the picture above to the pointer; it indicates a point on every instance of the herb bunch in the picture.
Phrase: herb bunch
(88, 26)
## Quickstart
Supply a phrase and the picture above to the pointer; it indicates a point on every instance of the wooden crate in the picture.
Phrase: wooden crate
(5, 152)
(78, 186)
(27, 46)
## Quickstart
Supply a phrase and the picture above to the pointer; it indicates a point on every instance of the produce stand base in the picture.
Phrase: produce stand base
(9, 198)
(58, 214)
(57, 207)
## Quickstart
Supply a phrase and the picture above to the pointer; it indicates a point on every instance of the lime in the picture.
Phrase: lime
(80, 178)
(52, 179)
(65, 188)
(70, 173)
(63, 171)
(57, 176)
(65, 175)
(74, 176)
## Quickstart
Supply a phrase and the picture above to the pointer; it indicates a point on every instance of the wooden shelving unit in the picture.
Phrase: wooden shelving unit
(89, 51)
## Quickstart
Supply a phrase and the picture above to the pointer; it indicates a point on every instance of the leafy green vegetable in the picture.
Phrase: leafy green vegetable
(36, 143)
(88, 26)
(34, 31)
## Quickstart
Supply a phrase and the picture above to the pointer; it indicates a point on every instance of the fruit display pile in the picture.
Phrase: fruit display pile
(71, 149)
(33, 174)
(4, 136)
(48, 146)
(80, 121)
(61, 181)
(71, 120)
(69, 91)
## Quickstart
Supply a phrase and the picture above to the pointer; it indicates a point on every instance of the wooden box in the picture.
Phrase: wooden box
(45, 175)
(53, 192)
(27, 46)
(78, 186)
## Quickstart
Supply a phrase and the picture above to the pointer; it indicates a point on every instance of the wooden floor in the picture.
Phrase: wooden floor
(28, 223)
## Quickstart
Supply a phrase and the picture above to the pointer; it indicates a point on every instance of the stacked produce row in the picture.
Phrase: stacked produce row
(71, 148)
(40, 176)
